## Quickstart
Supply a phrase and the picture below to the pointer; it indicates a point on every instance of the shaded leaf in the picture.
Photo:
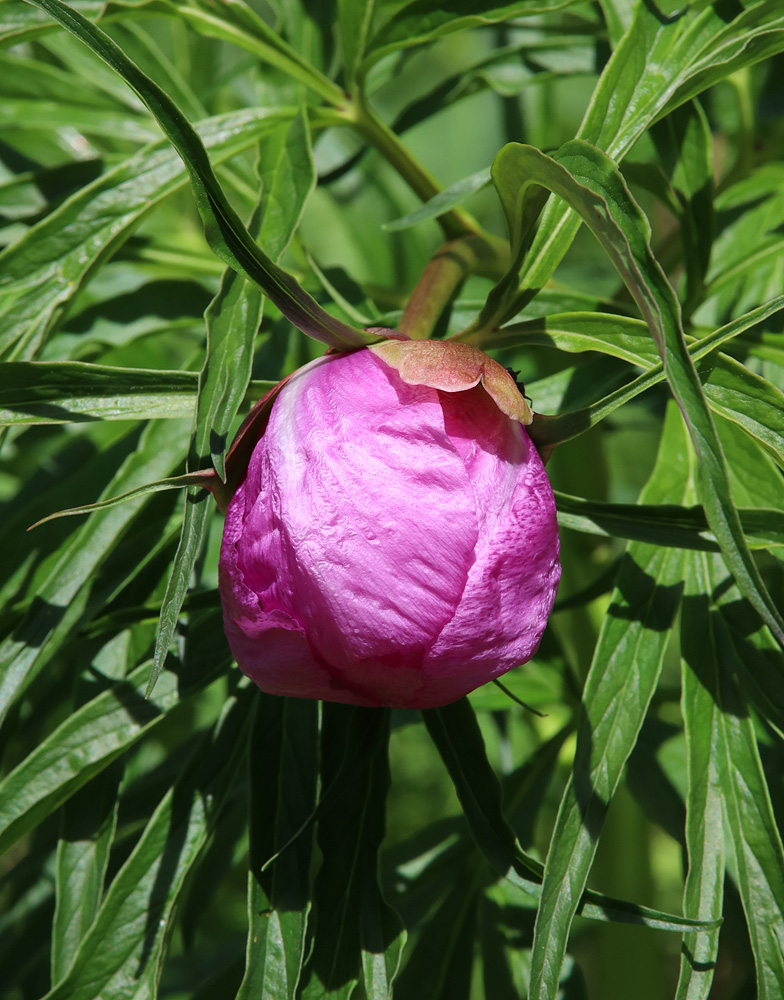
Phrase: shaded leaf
(422, 21)
(43, 270)
(225, 232)
(355, 18)
(660, 63)
(351, 918)
(282, 773)
(60, 601)
(45, 392)
(83, 745)
(457, 736)
(665, 524)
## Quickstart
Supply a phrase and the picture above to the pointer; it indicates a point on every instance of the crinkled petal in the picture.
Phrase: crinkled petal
(270, 647)
(363, 524)
(510, 591)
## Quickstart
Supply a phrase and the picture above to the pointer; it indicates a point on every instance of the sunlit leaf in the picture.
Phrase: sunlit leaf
(618, 690)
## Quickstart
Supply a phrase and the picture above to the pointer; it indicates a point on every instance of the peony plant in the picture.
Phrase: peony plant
(171, 827)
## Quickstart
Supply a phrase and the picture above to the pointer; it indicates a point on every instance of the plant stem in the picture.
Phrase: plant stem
(443, 276)
(454, 223)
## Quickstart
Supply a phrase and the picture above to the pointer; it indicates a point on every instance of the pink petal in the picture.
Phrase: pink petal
(363, 525)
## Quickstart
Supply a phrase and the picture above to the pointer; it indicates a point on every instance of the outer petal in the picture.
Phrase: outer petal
(271, 648)
(359, 522)
(511, 587)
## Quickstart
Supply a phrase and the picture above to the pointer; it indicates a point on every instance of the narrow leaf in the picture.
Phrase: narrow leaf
(454, 195)
(665, 524)
(590, 182)
(60, 601)
(83, 745)
(660, 63)
(86, 834)
(122, 952)
(282, 775)
(422, 21)
(618, 690)
(43, 271)
(286, 177)
(355, 18)
(51, 392)
(703, 894)
(355, 932)
(226, 234)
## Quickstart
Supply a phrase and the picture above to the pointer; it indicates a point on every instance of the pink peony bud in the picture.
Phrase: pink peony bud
(392, 543)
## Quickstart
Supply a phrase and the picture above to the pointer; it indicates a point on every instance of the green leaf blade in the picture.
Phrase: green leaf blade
(226, 234)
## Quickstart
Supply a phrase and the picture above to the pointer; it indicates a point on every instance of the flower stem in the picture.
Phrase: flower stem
(443, 276)
(454, 223)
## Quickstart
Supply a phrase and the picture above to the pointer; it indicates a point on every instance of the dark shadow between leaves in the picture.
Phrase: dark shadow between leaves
(167, 299)
(41, 620)
(694, 965)
(167, 870)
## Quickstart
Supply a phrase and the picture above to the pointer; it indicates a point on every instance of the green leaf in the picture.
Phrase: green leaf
(286, 179)
(52, 392)
(455, 731)
(621, 682)
(660, 63)
(665, 524)
(355, 18)
(442, 202)
(590, 181)
(456, 734)
(351, 918)
(64, 391)
(282, 773)
(86, 834)
(422, 21)
(703, 894)
(159, 486)
(226, 234)
(82, 746)
(18, 114)
(753, 830)
(122, 952)
(60, 601)
(748, 400)
(43, 271)
(87, 826)
(440, 966)
(237, 22)
(683, 141)
(233, 22)
(621, 336)
(19, 21)
(748, 247)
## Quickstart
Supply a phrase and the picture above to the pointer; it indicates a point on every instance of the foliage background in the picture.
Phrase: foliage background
(135, 831)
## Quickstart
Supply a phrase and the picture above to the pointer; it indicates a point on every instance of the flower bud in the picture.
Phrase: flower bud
(394, 540)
